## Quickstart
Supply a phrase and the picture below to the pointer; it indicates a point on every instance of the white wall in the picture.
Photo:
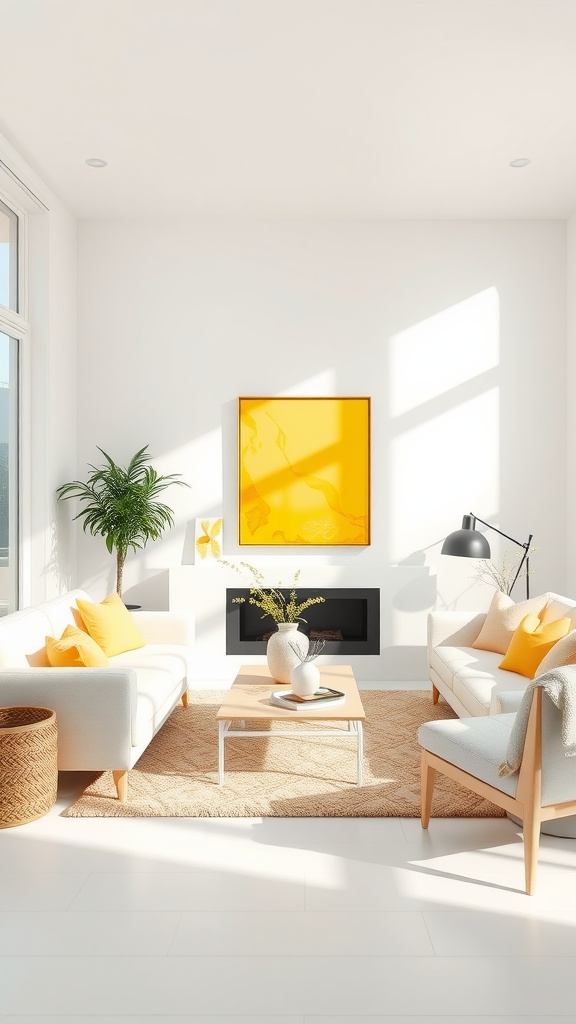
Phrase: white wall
(48, 413)
(455, 330)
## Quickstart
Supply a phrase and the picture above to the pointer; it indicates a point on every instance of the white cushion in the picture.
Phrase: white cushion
(473, 683)
(162, 671)
(477, 745)
(157, 695)
(22, 633)
(59, 611)
(447, 661)
(171, 658)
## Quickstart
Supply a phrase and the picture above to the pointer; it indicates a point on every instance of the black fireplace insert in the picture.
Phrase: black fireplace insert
(348, 621)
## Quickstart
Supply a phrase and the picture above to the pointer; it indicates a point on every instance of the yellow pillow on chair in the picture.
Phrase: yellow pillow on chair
(531, 642)
(111, 625)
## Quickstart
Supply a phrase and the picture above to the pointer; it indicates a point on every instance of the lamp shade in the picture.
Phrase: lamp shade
(467, 542)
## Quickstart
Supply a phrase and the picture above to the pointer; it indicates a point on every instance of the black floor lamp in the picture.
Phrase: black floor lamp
(470, 543)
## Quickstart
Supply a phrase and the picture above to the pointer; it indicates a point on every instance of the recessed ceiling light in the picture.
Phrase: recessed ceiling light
(521, 161)
(95, 161)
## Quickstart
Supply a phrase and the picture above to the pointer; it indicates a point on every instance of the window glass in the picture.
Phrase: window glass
(8, 258)
(8, 474)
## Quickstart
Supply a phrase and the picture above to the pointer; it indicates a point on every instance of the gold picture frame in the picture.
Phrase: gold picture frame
(304, 471)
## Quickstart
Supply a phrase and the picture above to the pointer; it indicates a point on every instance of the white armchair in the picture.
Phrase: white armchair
(472, 751)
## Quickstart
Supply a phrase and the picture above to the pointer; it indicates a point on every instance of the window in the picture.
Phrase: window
(8, 258)
(13, 329)
(8, 474)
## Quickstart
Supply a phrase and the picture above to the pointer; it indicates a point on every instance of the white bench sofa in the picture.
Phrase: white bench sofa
(106, 717)
(468, 679)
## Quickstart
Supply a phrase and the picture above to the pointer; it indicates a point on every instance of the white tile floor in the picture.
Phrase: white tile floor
(290, 921)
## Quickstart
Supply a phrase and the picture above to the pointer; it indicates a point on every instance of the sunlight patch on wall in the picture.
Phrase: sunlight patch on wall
(444, 351)
(440, 470)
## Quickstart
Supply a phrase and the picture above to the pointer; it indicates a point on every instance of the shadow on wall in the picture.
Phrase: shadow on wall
(420, 593)
(151, 594)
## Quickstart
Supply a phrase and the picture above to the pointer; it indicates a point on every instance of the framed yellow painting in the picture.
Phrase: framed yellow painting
(304, 471)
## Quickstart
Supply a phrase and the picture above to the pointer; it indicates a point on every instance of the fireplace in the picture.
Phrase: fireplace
(348, 620)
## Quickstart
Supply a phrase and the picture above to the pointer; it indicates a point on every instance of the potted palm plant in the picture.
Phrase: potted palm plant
(120, 504)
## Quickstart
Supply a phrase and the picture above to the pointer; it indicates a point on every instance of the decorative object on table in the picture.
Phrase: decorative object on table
(281, 650)
(286, 611)
(305, 676)
(468, 542)
(120, 505)
(28, 764)
(208, 539)
(293, 701)
(304, 466)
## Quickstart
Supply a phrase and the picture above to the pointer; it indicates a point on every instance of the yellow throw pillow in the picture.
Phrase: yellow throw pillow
(562, 653)
(74, 649)
(531, 642)
(502, 619)
(111, 625)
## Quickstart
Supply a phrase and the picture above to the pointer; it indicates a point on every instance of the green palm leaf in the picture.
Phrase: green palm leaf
(120, 504)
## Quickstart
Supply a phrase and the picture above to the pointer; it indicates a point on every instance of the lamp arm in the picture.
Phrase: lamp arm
(525, 558)
(496, 530)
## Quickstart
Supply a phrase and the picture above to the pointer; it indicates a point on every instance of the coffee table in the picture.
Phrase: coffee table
(248, 699)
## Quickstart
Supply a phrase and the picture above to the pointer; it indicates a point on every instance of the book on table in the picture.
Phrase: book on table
(323, 696)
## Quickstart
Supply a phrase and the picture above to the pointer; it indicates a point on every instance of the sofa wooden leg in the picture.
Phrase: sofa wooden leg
(427, 790)
(185, 699)
(435, 694)
(121, 783)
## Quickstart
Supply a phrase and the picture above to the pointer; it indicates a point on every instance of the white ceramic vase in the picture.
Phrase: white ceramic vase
(279, 653)
(305, 679)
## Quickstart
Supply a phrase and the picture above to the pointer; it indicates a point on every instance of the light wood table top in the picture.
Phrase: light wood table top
(249, 697)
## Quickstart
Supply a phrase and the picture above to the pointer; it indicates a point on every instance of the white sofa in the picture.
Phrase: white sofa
(469, 679)
(106, 717)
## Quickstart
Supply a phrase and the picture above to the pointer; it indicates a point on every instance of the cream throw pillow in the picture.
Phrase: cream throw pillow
(503, 618)
(557, 610)
(563, 653)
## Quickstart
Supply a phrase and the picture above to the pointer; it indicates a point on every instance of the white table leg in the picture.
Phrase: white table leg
(360, 753)
(221, 730)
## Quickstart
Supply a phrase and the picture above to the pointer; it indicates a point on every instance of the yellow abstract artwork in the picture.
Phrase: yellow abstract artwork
(208, 533)
(304, 471)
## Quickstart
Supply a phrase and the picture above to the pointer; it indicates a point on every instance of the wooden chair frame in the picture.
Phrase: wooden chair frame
(526, 805)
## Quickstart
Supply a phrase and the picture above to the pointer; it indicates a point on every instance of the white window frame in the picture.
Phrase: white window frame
(16, 325)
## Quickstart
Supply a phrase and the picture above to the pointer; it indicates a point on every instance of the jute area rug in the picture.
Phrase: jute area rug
(281, 777)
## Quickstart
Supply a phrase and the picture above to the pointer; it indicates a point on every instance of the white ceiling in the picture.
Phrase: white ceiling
(322, 108)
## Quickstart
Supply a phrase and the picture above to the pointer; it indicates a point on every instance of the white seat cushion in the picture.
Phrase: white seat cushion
(477, 745)
(157, 694)
(475, 676)
(171, 658)
(162, 671)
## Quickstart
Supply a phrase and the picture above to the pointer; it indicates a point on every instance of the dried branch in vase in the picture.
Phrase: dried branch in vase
(502, 578)
(315, 648)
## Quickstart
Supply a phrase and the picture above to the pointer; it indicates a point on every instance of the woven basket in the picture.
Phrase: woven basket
(28, 764)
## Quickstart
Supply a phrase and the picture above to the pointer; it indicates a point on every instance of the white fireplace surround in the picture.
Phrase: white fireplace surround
(407, 594)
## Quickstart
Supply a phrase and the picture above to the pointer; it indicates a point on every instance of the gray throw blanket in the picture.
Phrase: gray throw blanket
(560, 686)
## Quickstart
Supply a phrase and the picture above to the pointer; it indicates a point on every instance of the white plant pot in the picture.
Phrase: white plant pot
(305, 679)
(279, 653)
